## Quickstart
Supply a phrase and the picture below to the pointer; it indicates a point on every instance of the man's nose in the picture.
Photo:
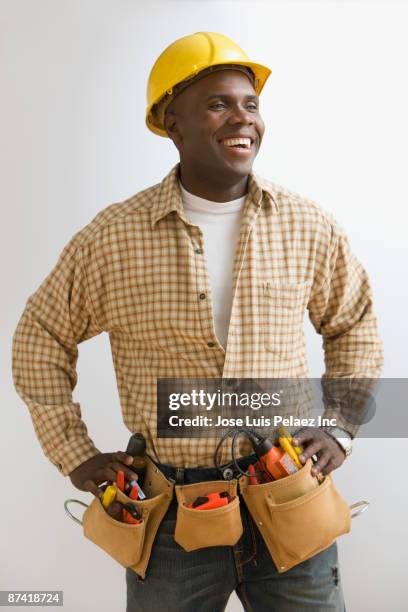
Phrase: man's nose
(240, 115)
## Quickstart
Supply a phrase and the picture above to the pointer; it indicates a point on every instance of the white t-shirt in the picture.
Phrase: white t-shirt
(220, 223)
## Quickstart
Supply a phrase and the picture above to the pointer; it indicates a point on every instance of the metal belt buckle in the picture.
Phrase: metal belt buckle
(227, 473)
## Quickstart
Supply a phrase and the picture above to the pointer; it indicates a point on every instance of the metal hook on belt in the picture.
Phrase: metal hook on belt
(69, 513)
(364, 505)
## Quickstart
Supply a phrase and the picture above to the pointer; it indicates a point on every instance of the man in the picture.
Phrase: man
(206, 274)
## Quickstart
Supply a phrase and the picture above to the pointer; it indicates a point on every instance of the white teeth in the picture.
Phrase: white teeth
(231, 142)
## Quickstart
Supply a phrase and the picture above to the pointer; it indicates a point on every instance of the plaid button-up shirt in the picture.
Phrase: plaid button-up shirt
(138, 272)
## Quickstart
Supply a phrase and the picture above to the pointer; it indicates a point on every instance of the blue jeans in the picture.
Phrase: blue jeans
(203, 580)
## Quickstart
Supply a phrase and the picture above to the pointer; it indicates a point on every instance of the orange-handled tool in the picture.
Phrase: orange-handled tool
(210, 501)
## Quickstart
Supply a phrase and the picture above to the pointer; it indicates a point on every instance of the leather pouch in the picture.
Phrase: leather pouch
(131, 545)
(201, 528)
(121, 541)
(297, 516)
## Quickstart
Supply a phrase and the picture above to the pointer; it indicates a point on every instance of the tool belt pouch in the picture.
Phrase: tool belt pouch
(201, 528)
(131, 545)
(297, 516)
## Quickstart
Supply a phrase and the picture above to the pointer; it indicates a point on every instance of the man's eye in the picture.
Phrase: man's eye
(220, 104)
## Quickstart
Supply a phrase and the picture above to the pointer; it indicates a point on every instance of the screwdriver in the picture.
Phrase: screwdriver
(288, 448)
(283, 432)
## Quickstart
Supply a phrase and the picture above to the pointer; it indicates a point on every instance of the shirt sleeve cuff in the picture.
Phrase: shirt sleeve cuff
(73, 454)
(334, 413)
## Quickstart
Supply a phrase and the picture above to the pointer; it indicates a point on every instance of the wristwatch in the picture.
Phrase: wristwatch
(342, 438)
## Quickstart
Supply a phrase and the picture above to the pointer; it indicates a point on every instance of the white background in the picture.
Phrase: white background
(74, 140)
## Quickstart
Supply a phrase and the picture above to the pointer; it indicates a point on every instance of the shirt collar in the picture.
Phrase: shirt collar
(169, 195)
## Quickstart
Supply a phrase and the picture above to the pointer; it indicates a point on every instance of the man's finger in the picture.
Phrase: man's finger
(328, 468)
(106, 474)
(322, 461)
(109, 474)
(310, 450)
(90, 486)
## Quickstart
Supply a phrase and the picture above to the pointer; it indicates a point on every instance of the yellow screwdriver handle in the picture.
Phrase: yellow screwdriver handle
(287, 447)
(108, 496)
(284, 433)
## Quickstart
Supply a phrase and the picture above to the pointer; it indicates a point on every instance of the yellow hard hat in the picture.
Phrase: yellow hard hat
(184, 59)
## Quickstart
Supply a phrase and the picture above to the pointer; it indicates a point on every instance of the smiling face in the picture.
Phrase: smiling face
(205, 119)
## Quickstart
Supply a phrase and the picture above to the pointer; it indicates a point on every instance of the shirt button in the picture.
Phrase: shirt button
(210, 344)
(198, 251)
(202, 296)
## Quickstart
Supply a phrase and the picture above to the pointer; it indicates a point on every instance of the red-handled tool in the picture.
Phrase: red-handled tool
(120, 480)
(135, 492)
(253, 480)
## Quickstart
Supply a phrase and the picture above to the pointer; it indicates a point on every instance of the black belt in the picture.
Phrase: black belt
(191, 475)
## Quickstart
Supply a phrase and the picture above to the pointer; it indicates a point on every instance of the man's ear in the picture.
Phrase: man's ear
(171, 127)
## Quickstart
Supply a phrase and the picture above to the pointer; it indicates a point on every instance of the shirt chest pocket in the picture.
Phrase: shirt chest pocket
(283, 306)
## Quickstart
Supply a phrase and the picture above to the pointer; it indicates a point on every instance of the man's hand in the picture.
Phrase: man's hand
(101, 468)
(316, 441)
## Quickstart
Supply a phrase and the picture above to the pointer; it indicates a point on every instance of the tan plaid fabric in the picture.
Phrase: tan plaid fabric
(136, 271)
